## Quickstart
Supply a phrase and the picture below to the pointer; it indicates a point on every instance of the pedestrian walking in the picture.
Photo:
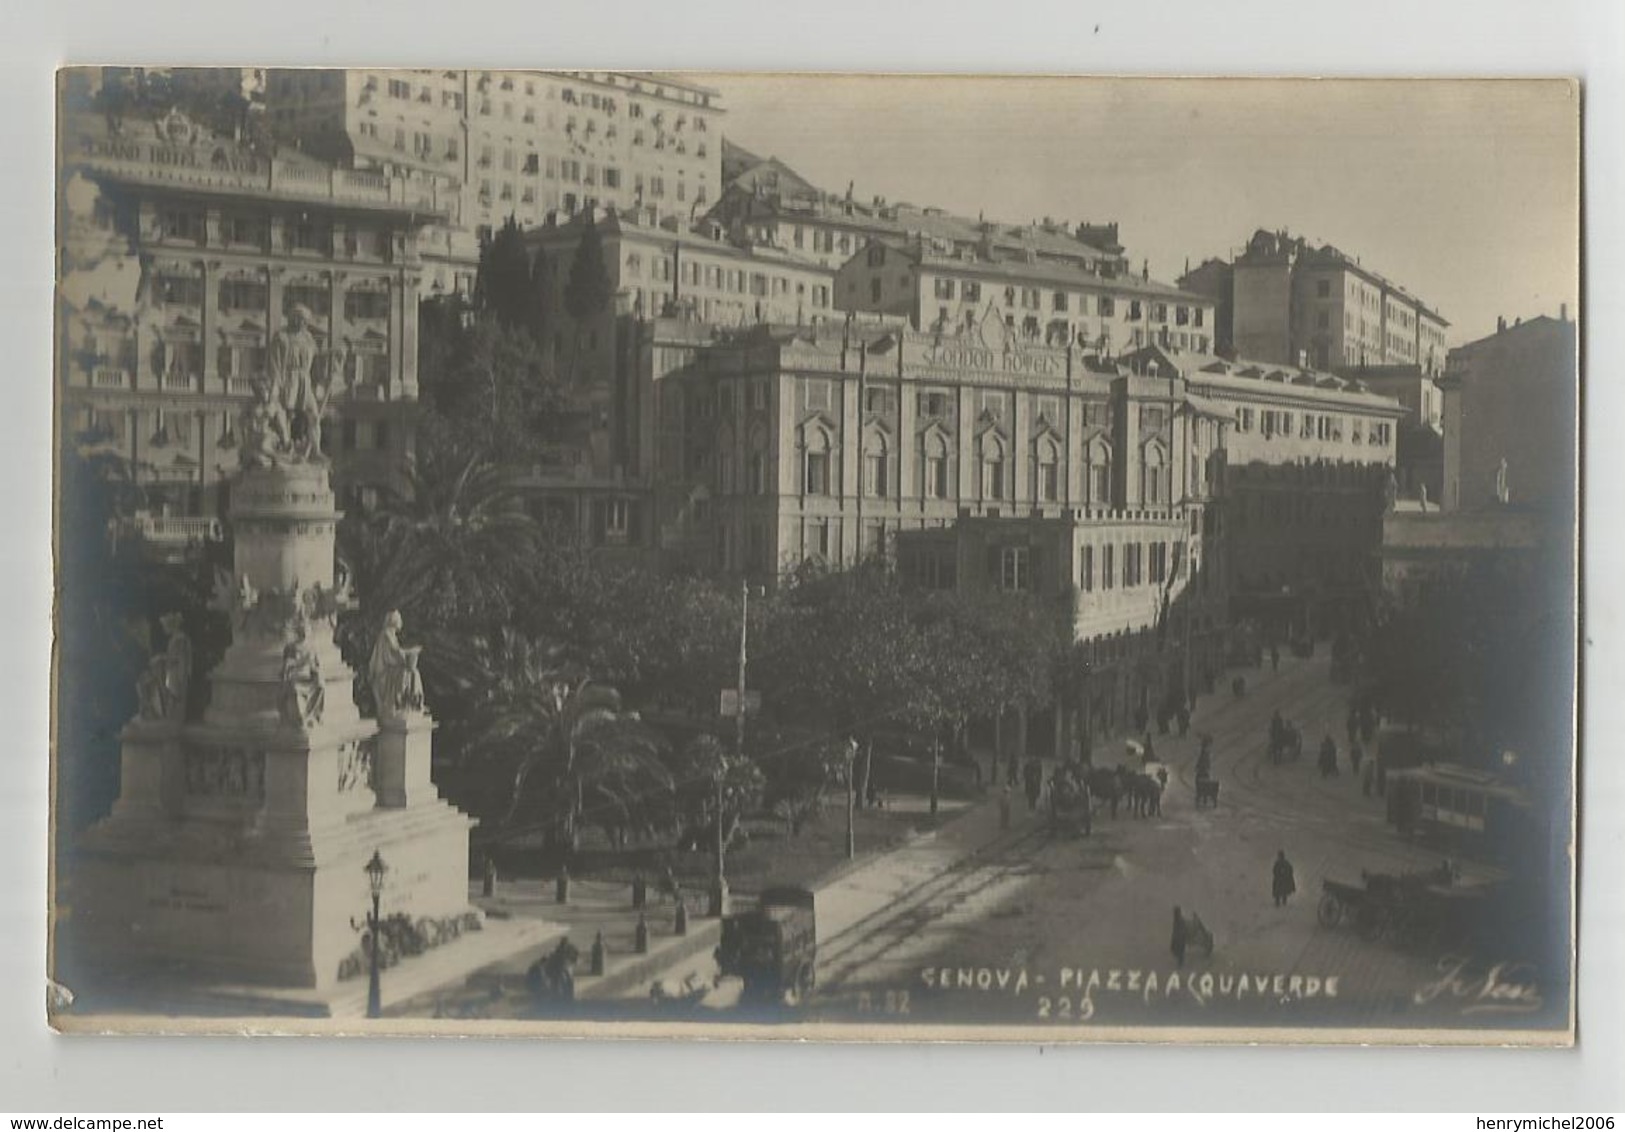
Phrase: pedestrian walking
(1177, 943)
(1275, 658)
(1328, 757)
(1368, 779)
(1283, 883)
(1033, 780)
(1150, 751)
(1012, 771)
(1356, 755)
(1184, 716)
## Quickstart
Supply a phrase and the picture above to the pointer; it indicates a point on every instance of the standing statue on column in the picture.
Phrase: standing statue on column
(297, 395)
(393, 673)
(1503, 494)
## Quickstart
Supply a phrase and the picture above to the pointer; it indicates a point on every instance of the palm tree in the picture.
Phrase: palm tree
(451, 556)
(542, 717)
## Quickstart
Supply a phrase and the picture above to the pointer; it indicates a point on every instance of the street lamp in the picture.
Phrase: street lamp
(375, 870)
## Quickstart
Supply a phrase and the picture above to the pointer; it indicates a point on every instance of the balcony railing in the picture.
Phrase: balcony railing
(240, 386)
(172, 474)
(177, 529)
(159, 162)
(178, 382)
(108, 377)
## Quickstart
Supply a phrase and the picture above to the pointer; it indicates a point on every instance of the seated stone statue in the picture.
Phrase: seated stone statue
(164, 686)
(393, 672)
(304, 697)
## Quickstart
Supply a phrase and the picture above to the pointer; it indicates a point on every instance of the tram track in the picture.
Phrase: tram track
(875, 935)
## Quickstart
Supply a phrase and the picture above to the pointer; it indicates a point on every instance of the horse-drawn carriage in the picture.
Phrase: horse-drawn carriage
(1286, 743)
(1070, 803)
(1418, 909)
(773, 948)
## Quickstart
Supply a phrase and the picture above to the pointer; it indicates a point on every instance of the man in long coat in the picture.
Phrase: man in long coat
(1284, 883)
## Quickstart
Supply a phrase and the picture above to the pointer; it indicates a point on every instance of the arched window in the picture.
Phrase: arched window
(935, 466)
(815, 463)
(1047, 482)
(993, 467)
(756, 470)
(1098, 475)
(725, 462)
(875, 465)
(1155, 472)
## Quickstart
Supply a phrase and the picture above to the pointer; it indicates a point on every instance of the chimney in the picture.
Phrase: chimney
(1562, 312)
(1501, 325)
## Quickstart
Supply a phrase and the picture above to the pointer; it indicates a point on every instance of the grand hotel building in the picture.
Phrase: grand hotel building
(181, 256)
(526, 144)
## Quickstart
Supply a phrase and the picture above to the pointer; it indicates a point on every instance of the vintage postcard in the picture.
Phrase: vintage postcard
(860, 557)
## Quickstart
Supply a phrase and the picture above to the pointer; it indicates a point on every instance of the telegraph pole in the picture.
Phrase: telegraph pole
(719, 887)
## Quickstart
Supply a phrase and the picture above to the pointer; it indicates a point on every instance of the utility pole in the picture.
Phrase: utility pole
(719, 887)
(851, 798)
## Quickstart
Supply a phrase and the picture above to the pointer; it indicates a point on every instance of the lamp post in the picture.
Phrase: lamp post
(375, 870)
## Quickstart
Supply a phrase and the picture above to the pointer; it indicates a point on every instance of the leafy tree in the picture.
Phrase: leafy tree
(1486, 660)
(110, 595)
(485, 388)
(845, 655)
(709, 772)
(588, 291)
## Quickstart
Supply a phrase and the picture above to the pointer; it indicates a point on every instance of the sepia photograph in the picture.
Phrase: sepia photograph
(852, 556)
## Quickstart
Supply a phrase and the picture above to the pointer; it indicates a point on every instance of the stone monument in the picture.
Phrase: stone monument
(237, 846)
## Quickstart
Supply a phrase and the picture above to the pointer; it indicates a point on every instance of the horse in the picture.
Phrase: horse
(1145, 793)
(1106, 786)
(1207, 791)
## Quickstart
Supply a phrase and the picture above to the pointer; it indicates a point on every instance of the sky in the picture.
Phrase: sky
(1465, 193)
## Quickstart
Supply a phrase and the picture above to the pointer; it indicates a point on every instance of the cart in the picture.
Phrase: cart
(773, 948)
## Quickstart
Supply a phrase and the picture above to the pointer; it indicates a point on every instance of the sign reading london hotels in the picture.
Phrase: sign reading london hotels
(956, 358)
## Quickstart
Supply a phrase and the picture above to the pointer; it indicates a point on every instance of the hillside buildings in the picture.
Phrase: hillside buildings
(182, 254)
(1291, 303)
(526, 144)
(1514, 397)
(1510, 463)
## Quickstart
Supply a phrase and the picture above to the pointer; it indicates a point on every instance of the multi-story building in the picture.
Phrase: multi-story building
(1087, 303)
(1512, 398)
(1295, 304)
(525, 144)
(181, 255)
(1308, 464)
(672, 291)
(985, 461)
(767, 203)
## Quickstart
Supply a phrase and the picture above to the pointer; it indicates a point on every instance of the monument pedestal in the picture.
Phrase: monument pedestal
(236, 849)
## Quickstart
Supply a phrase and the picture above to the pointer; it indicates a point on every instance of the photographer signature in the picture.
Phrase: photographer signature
(1504, 987)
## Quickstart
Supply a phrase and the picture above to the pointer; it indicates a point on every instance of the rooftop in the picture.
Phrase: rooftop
(627, 224)
(795, 197)
(1240, 374)
(1543, 322)
(175, 153)
(1266, 245)
(1018, 269)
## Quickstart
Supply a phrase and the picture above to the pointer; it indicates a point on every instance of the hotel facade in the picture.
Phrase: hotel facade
(526, 144)
(181, 257)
